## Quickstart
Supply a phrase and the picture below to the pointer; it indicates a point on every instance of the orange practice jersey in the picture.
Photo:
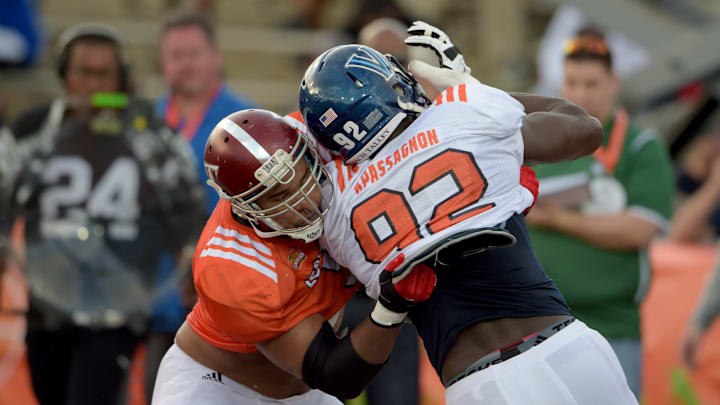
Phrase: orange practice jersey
(252, 289)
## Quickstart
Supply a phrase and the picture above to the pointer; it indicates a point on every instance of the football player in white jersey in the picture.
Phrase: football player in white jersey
(439, 183)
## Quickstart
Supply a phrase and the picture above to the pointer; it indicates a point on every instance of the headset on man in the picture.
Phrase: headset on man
(104, 32)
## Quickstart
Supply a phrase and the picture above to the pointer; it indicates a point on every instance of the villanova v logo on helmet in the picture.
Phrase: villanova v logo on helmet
(370, 60)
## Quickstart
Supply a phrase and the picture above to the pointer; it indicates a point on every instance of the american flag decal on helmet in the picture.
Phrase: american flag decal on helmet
(328, 117)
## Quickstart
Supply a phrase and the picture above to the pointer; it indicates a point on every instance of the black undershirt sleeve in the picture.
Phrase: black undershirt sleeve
(332, 365)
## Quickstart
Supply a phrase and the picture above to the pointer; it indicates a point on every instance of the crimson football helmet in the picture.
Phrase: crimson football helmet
(253, 157)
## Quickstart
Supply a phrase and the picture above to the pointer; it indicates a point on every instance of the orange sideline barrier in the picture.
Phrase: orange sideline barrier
(679, 275)
(15, 385)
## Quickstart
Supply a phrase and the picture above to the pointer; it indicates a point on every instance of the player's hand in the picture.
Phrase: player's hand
(401, 293)
(439, 78)
(453, 70)
(449, 56)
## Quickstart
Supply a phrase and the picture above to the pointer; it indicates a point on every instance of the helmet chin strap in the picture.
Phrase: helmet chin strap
(408, 106)
(306, 234)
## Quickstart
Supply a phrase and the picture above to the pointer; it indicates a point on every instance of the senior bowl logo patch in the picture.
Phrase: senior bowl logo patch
(296, 258)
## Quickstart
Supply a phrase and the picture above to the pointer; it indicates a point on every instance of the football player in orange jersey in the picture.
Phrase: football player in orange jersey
(262, 329)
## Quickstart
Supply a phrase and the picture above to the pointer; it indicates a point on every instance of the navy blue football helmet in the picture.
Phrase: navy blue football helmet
(352, 99)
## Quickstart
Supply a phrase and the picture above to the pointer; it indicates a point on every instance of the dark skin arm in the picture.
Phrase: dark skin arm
(556, 130)
(371, 342)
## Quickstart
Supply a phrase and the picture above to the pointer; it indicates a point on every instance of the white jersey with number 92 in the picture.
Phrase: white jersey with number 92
(457, 167)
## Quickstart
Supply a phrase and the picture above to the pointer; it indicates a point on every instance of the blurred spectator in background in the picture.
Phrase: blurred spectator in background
(309, 14)
(596, 216)
(371, 10)
(197, 96)
(387, 35)
(698, 218)
(397, 383)
(197, 99)
(20, 35)
(629, 56)
(699, 180)
(103, 189)
(199, 6)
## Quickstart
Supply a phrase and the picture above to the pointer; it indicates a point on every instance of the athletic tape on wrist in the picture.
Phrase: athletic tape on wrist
(386, 318)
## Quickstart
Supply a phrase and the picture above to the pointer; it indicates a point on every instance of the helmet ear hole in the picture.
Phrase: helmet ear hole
(399, 89)
(355, 80)
(227, 139)
(245, 121)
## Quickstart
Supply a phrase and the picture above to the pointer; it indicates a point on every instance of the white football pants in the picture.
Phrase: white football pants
(575, 366)
(182, 380)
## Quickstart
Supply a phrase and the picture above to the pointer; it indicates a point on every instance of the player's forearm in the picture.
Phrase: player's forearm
(691, 219)
(345, 367)
(555, 129)
(623, 232)
(372, 342)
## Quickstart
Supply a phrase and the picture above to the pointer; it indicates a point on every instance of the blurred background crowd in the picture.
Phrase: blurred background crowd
(105, 106)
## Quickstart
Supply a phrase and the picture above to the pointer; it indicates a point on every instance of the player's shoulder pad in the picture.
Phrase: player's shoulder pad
(479, 103)
(252, 296)
(241, 274)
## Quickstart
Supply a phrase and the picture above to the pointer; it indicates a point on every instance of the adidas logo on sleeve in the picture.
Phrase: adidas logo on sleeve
(217, 377)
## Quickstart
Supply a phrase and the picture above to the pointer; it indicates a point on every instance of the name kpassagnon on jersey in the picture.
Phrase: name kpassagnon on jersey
(377, 170)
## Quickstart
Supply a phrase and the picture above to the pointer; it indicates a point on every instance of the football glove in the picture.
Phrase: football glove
(441, 78)
(453, 70)
(450, 57)
(399, 293)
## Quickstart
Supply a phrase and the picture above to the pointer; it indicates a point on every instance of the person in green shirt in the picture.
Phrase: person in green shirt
(596, 215)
